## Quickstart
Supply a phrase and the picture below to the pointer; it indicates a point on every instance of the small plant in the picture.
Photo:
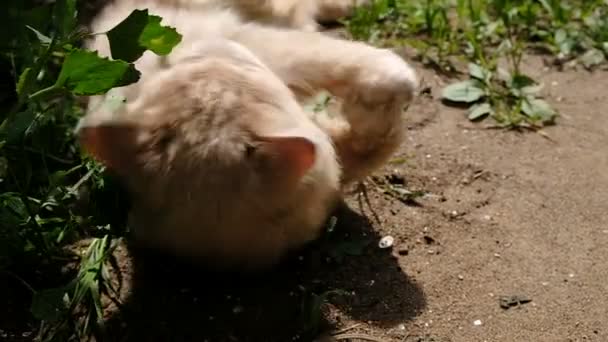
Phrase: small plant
(511, 99)
(51, 195)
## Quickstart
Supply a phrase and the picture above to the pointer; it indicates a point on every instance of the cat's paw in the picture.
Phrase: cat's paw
(386, 78)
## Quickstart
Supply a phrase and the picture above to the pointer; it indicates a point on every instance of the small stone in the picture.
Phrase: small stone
(429, 240)
(460, 277)
(477, 322)
(454, 213)
(428, 156)
(571, 275)
(402, 326)
(496, 255)
(386, 242)
(487, 217)
(237, 309)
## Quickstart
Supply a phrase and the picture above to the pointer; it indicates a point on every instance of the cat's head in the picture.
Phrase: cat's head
(208, 128)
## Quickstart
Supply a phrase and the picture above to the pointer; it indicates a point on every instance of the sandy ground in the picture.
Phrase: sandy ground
(511, 214)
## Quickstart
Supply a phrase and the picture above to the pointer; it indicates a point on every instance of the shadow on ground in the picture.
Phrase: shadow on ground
(171, 301)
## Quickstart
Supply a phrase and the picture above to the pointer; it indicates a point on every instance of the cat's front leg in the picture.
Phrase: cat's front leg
(374, 83)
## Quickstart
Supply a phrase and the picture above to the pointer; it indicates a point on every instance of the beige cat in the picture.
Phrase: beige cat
(223, 164)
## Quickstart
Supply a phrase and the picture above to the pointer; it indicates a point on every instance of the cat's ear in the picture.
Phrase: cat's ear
(292, 156)
(113, 144)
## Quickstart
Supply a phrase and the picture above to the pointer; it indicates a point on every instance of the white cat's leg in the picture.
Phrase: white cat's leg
(374, 83)
(332, 10)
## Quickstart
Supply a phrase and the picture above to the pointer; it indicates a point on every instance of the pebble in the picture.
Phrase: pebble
(460, 277)
(477, 322)
(487, 217)
(386, 242)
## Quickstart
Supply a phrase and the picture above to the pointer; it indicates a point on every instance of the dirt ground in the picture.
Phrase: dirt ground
(510, 214)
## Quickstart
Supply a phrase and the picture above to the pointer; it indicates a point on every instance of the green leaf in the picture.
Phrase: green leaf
(14, 129)
(44, 40)
(65, 13)
(49, 305)
(24, 78)
(479, 110)
(138, 32)
(124, 37)
(592, 58)
(87, 73)
(476, 71)
(157, 38)
(520, 81)
(560, 36)
(538, 108)
(465, 91)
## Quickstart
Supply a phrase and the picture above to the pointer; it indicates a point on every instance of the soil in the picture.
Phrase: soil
(509, 214)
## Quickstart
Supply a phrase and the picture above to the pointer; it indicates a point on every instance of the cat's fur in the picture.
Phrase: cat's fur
(222, 162)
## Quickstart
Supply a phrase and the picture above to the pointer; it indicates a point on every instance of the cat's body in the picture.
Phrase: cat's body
(223, 164)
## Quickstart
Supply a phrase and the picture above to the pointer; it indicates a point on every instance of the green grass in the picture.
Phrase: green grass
(52, 195)
(490, 36)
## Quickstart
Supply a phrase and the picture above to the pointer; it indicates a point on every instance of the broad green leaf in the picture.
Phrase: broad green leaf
(138, 32)
(476, 71)
(479, 110)
(13, 202)
(49, 305)
(157, 38)
(87, 73)
(465, 91)
(538, 108)
(124, 37)
(520, 81)
(592, 58)
(14, 129)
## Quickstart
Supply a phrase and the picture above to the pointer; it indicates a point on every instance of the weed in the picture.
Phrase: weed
(51, 194)
(486, 32)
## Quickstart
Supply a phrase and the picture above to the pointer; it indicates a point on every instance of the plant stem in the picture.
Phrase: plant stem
(44, 92)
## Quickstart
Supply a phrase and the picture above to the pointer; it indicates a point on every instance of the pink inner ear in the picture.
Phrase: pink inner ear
(295, 153)
(110, 144)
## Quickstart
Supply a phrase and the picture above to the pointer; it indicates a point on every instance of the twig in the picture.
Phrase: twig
(362, 191)
(357, 336)
(347, 329)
